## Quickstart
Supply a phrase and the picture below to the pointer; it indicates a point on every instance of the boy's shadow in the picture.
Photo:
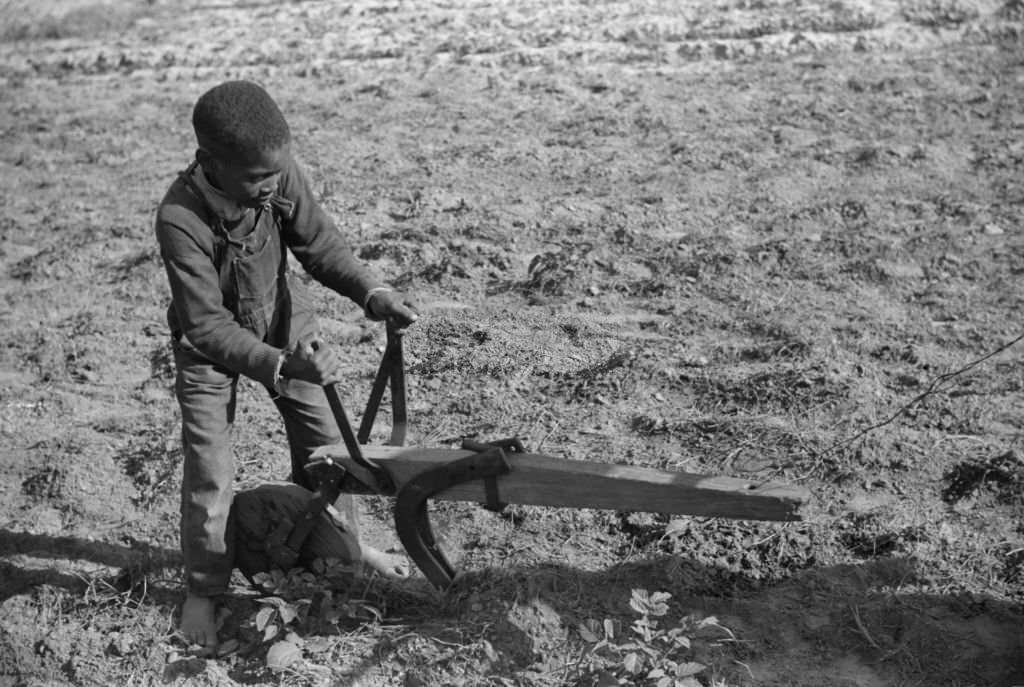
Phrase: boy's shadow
(64, 556)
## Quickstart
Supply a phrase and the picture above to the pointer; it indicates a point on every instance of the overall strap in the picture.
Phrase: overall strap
(216, 223)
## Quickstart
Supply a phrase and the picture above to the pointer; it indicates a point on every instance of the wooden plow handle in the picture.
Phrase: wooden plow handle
(382, 481)
(392, 369)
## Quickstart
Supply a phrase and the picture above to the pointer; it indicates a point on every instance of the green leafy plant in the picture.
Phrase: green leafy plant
(285, 611)
(276, 614)
(286, 601)
(280, 613)
(650, 654)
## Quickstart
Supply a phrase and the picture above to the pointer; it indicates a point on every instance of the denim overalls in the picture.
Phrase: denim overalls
(254, 280)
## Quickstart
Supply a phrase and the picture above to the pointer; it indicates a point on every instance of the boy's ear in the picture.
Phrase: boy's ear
(203, 157)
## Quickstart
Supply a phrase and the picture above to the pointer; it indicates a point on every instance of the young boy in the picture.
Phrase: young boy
(223, 228)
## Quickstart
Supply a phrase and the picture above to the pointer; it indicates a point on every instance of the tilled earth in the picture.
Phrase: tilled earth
(774, 240)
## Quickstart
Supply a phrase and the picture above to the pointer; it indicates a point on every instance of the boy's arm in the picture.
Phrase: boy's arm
(198, 306)
(318, 244)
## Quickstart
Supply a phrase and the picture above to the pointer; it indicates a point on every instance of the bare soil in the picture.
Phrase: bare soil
(777, 239)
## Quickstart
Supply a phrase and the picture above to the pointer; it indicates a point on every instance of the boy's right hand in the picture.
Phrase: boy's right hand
(313, 362)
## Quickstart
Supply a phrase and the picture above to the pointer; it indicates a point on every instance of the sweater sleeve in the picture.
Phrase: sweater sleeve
(316, 242)
(186, 247)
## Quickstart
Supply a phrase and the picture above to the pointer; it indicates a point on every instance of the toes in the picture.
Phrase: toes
(196, 637)
(397, 569)
(198, 623)
(390, 565)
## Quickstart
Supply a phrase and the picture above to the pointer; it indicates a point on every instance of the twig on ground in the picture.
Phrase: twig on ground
(745, 667)
(863, 630)
(928, 391)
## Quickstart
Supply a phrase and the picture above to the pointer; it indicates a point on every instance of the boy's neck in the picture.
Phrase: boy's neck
(210, 179)
(224, 207)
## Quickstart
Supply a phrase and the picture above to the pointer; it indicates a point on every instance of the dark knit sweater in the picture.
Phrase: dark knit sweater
(203, 307)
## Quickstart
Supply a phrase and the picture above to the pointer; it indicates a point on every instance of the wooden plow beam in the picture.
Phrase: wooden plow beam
(535, 479)
(489, 475)
(501, 473)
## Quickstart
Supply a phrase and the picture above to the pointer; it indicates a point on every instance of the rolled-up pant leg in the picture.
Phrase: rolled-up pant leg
(207, 396)
(309, 424)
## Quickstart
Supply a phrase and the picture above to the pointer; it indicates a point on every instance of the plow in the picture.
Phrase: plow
(495, 474)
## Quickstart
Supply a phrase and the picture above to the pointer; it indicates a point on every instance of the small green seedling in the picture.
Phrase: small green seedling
(653, 655)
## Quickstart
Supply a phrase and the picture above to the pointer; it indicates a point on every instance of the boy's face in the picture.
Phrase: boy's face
(249, 181)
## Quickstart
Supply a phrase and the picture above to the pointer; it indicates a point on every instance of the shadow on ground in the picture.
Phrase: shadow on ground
(36, 559)
(861, 622)
(846, 624)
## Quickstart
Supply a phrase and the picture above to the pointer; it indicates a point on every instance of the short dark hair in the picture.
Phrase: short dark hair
(238, 118)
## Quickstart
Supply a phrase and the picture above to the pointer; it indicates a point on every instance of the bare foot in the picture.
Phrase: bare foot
(198, 622)
(391, 565)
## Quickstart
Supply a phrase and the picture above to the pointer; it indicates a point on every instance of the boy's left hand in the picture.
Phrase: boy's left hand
(393, 306)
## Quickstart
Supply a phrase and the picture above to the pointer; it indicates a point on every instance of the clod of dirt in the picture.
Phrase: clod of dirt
(1003, 474)
(44, 483)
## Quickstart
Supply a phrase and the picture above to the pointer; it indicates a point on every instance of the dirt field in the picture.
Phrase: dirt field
(773, 239)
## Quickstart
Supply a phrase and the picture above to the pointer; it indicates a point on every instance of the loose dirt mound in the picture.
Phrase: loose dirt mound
(776, 240)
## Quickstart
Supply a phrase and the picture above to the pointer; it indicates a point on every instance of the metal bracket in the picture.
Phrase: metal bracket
(513, 445)
(327, 476)
(412, 522)
(284, 544)
(384, 483)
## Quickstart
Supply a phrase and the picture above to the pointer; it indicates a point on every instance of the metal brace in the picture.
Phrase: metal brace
(392, 369)
(412, 522)
(284, 544)
(513, 445)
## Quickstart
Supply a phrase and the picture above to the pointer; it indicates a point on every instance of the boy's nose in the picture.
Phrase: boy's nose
(270, 183)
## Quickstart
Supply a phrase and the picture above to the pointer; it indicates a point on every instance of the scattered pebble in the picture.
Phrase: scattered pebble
(993, 229)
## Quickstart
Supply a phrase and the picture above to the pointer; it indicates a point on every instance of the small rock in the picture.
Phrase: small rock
(282, 654)
(121, 644)
(816, 622)
(993, 229)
